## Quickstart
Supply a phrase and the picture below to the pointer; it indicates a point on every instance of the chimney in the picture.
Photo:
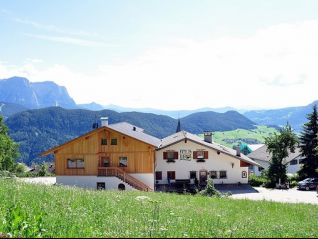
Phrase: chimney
(238, 151)
(104, 121)
(208, 137)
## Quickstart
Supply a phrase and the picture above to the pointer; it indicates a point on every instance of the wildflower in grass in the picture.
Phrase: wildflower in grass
(163, 229)
(3, 235)
(143, 198)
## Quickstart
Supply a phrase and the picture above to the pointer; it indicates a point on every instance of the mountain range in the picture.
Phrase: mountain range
(41, 129)
(18, 94)
(295, 116)
(172, 113)
(37, 126)
(21, 91)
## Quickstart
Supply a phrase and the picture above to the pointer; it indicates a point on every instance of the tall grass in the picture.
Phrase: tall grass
(49, 211)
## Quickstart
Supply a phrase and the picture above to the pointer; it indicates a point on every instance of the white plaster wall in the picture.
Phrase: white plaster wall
(265, 165)
(146, 178)
(214, 163)
(91, 182)
(293, 169)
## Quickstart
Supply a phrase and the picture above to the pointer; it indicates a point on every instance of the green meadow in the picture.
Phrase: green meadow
(28, 210)
(231, 138)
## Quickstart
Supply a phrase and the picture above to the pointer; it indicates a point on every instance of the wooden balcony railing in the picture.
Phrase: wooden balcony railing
(121, 174)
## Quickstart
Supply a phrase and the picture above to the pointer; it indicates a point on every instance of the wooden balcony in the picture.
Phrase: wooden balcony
(122, 175)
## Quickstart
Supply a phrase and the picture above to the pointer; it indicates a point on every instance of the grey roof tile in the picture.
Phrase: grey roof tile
(264, 155)
(138, 133)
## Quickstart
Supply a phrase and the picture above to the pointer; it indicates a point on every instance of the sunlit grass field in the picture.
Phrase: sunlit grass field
(54, 211)
(230, 138)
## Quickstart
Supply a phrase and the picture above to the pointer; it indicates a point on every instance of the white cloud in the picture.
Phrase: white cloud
(273, 68)
(71, 40)
(53, 28)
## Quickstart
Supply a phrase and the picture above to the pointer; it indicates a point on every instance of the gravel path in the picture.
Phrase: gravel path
(276, 195)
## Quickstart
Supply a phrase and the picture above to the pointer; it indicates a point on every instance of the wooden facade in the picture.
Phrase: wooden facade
(96, 147)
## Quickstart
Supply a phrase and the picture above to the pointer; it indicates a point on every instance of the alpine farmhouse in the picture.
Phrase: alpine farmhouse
(122, 156)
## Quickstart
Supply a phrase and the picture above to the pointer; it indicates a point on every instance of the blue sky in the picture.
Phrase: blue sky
(144, 48)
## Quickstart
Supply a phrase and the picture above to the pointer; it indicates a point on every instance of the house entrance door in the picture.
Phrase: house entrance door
(203, 176)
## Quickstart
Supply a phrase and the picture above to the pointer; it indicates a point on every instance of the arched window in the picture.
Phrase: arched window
(121, 187)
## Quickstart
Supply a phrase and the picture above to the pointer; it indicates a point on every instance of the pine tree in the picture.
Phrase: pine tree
(279, 146)
(308, 145)
(8, 149)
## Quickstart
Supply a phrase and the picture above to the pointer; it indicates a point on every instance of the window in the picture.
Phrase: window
(113, 142)
(123, 161)
(71, 163)
(260, 169)
(121, 187)
(105, 162)
(201, 155)
(170, 156)
(193, 174)
(104, 142)
(223, 174)
(80, 163)
(75, 163)
(171, 175)
(158, 175)
(101, 186)
(213, 174)
(244, 174)
(293, 162)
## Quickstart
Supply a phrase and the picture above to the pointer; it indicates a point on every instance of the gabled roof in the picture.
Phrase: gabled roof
(123, 128)
(135, 132)
(254, 147)
(264, 155)
(180, 136)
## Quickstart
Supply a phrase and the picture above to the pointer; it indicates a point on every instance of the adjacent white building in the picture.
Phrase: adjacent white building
(263, 157)
(187, 157)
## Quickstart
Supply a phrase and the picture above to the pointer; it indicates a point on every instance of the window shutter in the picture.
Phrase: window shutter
(176, 155)
(195, 154)
(206, 154)
(165, 155)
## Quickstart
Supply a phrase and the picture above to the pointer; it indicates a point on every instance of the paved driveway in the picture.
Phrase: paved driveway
(277, 195)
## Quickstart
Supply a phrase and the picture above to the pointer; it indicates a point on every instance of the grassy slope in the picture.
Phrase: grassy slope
(81, 213)
(258, 134)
